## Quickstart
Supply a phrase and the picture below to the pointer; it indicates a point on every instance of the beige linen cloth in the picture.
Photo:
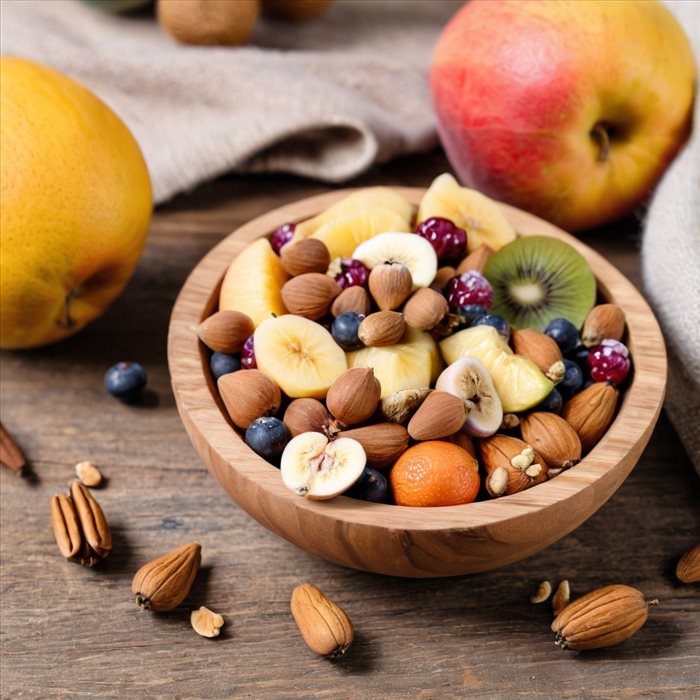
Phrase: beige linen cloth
(324, 98)
(327, 99)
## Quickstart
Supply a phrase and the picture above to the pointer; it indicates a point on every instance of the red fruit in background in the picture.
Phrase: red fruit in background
(571, 110)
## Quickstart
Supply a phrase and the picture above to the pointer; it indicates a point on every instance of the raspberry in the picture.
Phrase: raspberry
(248, 355)
(352, 273)
(609, 361)
(469, 288)
(281, 237)
(449, 240)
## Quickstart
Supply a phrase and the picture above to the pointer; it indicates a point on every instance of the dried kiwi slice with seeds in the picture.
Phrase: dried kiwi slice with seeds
(538, 278)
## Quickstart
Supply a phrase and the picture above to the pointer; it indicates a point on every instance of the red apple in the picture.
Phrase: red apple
(570, 109)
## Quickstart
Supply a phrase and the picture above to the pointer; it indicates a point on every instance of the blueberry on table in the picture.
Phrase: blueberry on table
(564, 333)
(345, 330)
(126, 381)
(221, 363)
(268, 436)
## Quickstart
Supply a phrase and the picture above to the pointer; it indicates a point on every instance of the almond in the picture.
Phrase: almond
(249, 394)
(553, 438)
(425, 308)
(511, 465)
(541, 349)
(307, 415)
(163, 583)
(325, 627)
(561, 597)
(382, 328)
(88, 473)
(79, 526)
(354, 395)
(590, 412)
(10, 453)
(603, 321)
(383, 443)
(443, 275)
(310, 295)
(307, 255)
(390, 284)
(476, 260)
(601, 618)
(544, 590)
(440, 415)
(354, 299)
(226, 331)
(206, 623)
(688, 567)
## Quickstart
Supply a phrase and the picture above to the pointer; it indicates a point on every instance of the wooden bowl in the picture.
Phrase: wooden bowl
(397, 540)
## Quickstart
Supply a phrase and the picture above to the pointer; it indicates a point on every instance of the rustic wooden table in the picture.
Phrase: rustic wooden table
(71, 631)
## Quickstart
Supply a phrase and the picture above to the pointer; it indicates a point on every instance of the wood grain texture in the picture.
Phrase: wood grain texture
(70, 632)
(403, 541)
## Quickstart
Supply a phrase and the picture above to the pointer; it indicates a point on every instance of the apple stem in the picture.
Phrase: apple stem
(601, 136)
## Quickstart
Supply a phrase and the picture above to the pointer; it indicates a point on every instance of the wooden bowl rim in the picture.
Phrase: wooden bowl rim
(195, 395)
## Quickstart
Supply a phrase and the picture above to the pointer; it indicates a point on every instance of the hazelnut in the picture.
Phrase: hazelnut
(440, 415)
(308, 255)
(249, 394)
(310, 295)
(354, 395)
(390, 284)
(382, 328)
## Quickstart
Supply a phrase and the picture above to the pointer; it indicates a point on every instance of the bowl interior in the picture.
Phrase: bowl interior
(400, 540)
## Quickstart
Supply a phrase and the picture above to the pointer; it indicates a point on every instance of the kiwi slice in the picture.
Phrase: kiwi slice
(536, 279)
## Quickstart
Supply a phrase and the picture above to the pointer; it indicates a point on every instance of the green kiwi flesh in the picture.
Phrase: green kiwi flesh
(536, 279)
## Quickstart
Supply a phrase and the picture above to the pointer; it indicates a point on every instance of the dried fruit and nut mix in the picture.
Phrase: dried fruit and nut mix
(345, 341)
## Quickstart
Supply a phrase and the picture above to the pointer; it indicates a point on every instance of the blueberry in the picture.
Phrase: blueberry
(572, 381)
(498, 322)
(371, 486)
(126, 381)
(469, 313)
(220, 363)
(344, 330)
(553, 402)
(564, 332)
(267, 436)
(580, 356)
